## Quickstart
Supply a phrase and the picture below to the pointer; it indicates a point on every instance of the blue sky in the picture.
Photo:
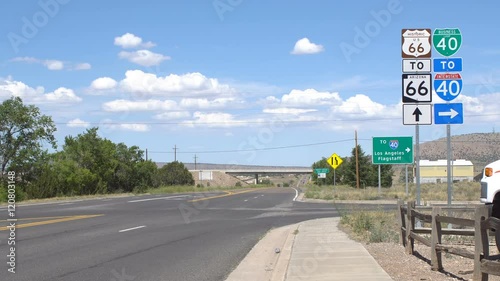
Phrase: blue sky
(238, 81)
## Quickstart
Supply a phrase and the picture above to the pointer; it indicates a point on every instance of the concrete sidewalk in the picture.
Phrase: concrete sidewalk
(314, 250)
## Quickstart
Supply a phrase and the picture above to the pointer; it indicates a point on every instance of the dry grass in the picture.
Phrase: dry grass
(371, 226)
(462, 191)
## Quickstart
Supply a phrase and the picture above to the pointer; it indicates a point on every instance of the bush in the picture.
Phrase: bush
(141, 189)
(237, 184)
(372, 226)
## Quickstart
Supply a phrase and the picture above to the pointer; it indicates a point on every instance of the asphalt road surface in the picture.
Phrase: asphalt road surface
(147, 238)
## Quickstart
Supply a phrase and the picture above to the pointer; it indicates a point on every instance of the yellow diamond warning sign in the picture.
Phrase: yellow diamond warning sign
(334, 160)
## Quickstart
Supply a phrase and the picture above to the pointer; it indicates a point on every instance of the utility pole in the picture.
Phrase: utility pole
(146, 154)
(195, 157)
(175, 153)
(357, 164)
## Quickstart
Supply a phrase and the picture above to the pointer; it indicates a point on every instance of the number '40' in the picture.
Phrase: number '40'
(452, 87)
(452, 44)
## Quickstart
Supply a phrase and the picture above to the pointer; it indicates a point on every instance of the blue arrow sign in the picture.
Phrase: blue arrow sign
(448, 113)
(448, 85)
(447, 64)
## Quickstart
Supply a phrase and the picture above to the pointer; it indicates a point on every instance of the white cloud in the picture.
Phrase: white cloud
(25, 59)
(62, 95)
(172, 115)
(145, 105)
(216, 119)
(134, 127)
(361, 106)
(103, 83)
(305, 98)
(54, 64)
(82, 66)
(304, 46)
(129, 40)
(108, 124)
(137, 81)
(288, 111)
(205, 103)
(9, 88)
(143, 57)
(75, 123)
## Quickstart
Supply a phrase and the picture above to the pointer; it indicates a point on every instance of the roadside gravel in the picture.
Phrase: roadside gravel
(403, 267)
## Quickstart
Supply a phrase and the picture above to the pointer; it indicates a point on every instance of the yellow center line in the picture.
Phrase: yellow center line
(41, 218)
(51, 221)
(223, 195)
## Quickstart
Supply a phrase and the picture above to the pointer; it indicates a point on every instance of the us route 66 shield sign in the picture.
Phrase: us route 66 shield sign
(416, 43)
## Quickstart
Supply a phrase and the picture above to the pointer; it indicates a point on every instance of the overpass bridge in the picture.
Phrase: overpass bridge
(268, 172)
(244, 170)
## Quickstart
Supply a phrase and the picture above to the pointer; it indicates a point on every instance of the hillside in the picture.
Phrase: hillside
(479, 148)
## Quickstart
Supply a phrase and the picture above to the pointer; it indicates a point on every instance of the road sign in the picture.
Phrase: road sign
(392, 150)
(417, 114)
(322, 176)
(448, 86)
(417, 88)
(334, 161)
(416, 43)
(321, 171)
(447, 41)
(448, 113)
(447, 64)
(416, 65)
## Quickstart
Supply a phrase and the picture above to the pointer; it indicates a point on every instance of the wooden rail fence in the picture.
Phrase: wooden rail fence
(481, 228)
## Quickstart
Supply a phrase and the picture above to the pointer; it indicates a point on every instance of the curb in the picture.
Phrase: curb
(262, 262)
(279, 273)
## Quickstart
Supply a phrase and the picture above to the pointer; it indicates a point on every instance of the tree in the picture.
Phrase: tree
(23, 130)
(368, 173)
(94, 154)
(367, 177)
(174, 173)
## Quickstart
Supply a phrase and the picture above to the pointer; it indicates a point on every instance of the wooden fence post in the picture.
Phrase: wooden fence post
(482, 212)
(436, 261)
(401, 222)
(410, 226)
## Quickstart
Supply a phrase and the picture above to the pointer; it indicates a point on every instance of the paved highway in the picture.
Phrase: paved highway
(148, 238)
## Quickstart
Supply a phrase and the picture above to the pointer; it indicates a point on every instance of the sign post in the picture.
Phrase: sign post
(448, 86)
(417, 87)
(334, 160)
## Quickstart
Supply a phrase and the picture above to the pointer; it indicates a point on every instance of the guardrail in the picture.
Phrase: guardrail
(480, 228)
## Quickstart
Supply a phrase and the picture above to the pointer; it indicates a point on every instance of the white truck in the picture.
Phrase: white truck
(490, 187)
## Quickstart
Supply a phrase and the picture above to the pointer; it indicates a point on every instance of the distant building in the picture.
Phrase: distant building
(436, 171)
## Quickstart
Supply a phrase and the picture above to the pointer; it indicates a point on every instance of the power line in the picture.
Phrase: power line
(256, 149)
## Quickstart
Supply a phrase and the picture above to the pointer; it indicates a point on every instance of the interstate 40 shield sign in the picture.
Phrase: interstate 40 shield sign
(448, 85)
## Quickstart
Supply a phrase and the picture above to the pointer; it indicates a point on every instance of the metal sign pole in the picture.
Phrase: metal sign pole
(379, 180)
(334, 177)
(417, 161)
(448, 171)
(406, 178)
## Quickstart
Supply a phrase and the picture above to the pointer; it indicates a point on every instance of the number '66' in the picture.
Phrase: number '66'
(410, 90)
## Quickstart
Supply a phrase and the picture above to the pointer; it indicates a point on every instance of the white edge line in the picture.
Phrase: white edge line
(133, 228)
(296, 194)
(157, 198)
